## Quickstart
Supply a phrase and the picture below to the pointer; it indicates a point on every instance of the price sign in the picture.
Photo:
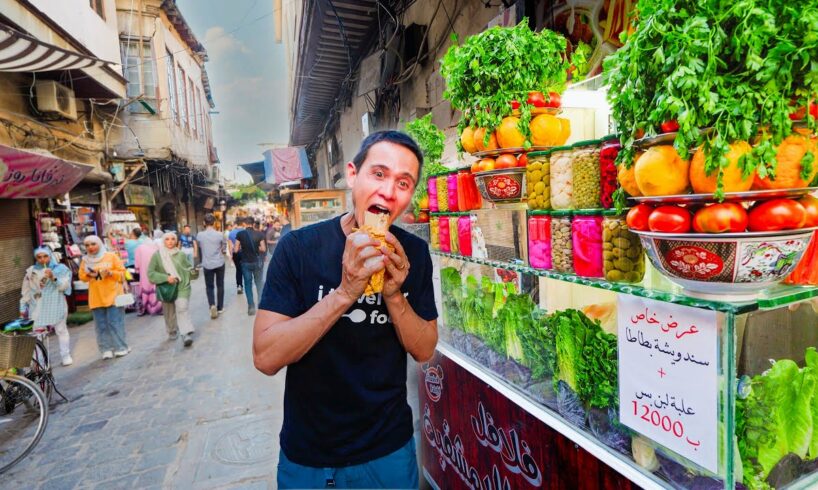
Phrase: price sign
(668, 376)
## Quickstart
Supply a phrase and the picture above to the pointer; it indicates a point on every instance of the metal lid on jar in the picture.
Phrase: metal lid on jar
(540, 212)
(609, 137)
(560, 148)
(614, 212)
(588, 212)
(561, 213)
(580, 144)
(543, 153)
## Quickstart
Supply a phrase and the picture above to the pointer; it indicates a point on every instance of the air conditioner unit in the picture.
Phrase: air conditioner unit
(53, 97)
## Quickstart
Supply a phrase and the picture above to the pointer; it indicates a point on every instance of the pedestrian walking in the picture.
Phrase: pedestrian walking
(346, 414)
(169, 270)
(105, 275)
(134, 240)
(251, 245)
(234, 252)
(272, 236)
(188, 244)
(45, 286)
(212, 245)
(148, 303)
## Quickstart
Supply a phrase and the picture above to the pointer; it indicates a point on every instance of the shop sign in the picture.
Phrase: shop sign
(27, 175)
(668, 376)
(139, 195)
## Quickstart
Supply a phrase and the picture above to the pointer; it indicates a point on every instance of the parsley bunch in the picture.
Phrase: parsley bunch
(431, 141)
(492, 68)
(739, 67)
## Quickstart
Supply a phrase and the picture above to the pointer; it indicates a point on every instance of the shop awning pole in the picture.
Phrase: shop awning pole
(127, 180)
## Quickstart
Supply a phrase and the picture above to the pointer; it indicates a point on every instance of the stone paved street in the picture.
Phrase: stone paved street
(163, 416)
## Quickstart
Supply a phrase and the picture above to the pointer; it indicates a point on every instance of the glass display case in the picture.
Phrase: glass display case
(314, 205)
(670, 390)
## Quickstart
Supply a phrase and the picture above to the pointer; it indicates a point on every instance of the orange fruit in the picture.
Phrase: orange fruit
(467, 140)
(660, 171)
(788, 169)
(627, 180)
(733, 177)
(486, 164)
(508, 134)
(566, 130)
(546, 130)
(479, 134)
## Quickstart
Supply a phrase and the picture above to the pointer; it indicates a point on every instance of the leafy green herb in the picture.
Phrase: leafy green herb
(597, 377)
(431, 141)
(580, 61)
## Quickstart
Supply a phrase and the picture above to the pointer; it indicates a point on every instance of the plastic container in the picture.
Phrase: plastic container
(561, 178)
(431, 190)
(442, 194)
(443, 233)
(434, 232)
(586, 234)
(451, 191)
(607, 169)
(586, 174)
(622, 252)
(562, 246)
(464, 235)
(539, 241)
(538, 180)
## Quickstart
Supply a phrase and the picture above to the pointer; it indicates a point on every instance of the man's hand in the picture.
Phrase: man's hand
(397, 267)
(361, 259)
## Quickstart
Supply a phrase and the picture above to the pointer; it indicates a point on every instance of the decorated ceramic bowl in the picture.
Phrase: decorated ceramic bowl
(502, 186)
(729, 265)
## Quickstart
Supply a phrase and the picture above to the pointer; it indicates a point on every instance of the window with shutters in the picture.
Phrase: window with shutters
(202, 109)
(183, 108)
(171, 74)
(96, 6)
(139, 69)
(192, 108)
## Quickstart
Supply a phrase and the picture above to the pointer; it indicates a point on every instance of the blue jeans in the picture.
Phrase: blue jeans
(110, 324)
(252, 271)
(396, 470)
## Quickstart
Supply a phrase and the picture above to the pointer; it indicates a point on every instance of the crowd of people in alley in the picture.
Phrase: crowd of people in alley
(155, 279)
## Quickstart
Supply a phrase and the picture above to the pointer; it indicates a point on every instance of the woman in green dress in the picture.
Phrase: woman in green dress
(170, 269)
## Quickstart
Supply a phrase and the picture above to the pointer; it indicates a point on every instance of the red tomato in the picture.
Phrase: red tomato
(486, 164)
(505, 160)
(810, 204)
(813, 110)
(423, 217)
(639, 134)
(801, 112)
(475, 167)
(515, 105)
(727, 217)
(522, 160)
(537, 99)
(669, 126)
(637, 217)
(777, 214)
(669, 219)
(554, 100)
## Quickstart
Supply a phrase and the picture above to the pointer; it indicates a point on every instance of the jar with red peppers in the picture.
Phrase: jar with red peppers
(607, 169)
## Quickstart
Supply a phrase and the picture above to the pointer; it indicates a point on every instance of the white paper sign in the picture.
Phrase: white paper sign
(668, 376)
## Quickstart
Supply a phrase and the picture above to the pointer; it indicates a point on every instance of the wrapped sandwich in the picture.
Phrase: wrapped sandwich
(376, 225)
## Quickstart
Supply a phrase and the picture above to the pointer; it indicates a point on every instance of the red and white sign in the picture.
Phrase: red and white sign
(25, 174)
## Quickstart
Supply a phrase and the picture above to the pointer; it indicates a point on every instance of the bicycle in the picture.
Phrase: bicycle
(23, 405)
(40, 369)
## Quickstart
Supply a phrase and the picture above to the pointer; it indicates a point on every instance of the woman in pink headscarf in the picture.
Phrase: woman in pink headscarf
(149, 303)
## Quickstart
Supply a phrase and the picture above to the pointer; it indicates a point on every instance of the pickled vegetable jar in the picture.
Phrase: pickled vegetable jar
(451, 190)
(442, 194)
(562, 247)
(443, 234)
(454, 244)
(434, 233)
(538, 180)
(539, 241)
(464, 235)
(561, 178)
(586, 175)
(622, 253)
(431, 190)
(587, 240)
(607, 169)
(463, 203)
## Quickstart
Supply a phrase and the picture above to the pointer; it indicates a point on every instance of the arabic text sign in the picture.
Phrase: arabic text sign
(24, 174)
(668, 367)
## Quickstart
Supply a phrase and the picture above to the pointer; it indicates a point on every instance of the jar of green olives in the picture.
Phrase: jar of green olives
(538, 180)
(585, 169)
(622, 252)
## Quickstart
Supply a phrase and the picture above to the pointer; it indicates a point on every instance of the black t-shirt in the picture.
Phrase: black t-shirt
(250, 240)
(345, 400)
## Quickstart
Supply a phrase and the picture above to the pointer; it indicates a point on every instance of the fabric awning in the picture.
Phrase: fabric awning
(25, 174)
(24, 53)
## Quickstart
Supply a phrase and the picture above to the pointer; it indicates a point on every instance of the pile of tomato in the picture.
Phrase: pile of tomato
(728, 217)
(506, 160)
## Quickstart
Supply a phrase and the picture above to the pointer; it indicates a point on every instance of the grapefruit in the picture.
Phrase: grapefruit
(565, 124)
(660, 171)
(479, 134)
(733, 178)
(508, 134)
(467, 140)
(546, 130)
(788, 168)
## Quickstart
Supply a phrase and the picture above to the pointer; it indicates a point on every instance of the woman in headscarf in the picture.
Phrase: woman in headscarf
(170, 265)
(148, 304)
(45, 286)
(105, 275)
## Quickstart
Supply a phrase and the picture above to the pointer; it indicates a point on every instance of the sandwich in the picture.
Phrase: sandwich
(376, 225)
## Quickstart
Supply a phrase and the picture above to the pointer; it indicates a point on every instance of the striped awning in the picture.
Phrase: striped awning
(21, 52)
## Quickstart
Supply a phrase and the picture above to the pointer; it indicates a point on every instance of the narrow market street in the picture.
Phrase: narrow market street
(163, 416)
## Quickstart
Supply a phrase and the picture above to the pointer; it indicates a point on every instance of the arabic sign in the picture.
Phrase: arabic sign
(474, 437)
(668, 372)
(26, 175)
(139, 195)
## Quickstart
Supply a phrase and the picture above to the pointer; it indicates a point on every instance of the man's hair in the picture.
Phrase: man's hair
(209, 219)
(391, 136)
(186, 226)
(137, 232)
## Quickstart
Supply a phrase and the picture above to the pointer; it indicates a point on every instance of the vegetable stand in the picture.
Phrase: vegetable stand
(666, 389)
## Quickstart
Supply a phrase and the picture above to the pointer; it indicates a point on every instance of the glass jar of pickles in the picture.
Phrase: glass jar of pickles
(586, 234)
(607, 169)
(434, 233)
(443, 234)
(538, 180)
(561, 178)
(431, 190)
(562, 247)
(585, 167)
(539, 240)
(442, 194)
(622, 252)
(451, 190)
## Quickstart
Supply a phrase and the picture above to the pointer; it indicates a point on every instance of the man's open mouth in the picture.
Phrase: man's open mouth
(378, 209)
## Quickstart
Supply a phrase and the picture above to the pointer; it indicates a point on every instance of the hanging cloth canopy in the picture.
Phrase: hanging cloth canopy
(23, 53)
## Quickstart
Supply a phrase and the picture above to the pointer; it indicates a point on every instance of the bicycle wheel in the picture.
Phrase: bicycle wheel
(40, 371)
(23, 418)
